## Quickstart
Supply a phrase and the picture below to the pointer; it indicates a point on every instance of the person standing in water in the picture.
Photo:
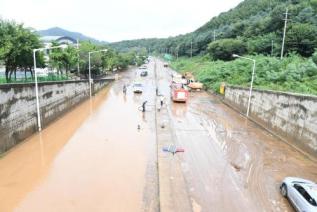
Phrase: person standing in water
(143, 106)
(124, 89)
(162, 100)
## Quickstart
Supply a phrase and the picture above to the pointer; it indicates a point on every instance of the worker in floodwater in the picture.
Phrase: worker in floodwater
(124, 89)
(162, 100)
(143, 106)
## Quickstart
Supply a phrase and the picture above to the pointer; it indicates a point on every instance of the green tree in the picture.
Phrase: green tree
(16, 48)
(63, 59)
(314, 57)
(301, 38)
(223, 49)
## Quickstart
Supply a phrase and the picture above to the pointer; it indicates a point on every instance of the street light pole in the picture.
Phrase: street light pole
(252, 79)
(36, 83)
(78, 56)
(37, 94)
(89, 67)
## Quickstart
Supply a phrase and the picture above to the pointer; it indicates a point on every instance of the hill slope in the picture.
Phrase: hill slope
(56, 31)
(256, 23)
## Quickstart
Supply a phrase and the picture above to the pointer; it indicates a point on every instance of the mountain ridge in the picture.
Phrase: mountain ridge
(57, 31)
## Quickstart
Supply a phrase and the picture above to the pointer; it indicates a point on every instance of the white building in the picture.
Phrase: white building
(47, 41)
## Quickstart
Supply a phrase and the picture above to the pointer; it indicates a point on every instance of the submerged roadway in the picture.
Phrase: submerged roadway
(105, 155)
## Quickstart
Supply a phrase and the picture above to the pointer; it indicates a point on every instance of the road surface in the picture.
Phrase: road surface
(230, 163)
(96, 159)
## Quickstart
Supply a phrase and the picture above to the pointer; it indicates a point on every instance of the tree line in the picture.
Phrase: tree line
(16, 54)
(253, 27)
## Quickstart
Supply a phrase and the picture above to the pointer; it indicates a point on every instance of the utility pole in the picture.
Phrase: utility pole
(284, 33)
(191, 49)
(177, 54)
(272, 48)
(214, 35)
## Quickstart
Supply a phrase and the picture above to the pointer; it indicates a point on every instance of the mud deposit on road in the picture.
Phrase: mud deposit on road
(230, 163)
(92, 159)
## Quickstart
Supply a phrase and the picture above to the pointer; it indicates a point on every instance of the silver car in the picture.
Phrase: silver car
(301, 193)
(137, 88)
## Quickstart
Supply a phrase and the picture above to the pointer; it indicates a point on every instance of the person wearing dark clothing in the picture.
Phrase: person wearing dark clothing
(124, 89)
(143, 106)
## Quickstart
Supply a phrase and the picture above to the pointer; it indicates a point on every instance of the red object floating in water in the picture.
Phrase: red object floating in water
(180, 150)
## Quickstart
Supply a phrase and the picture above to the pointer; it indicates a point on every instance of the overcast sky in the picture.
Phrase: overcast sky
(114, 20)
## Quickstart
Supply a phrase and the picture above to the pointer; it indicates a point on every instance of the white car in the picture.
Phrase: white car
(301, 193)
(137, 87)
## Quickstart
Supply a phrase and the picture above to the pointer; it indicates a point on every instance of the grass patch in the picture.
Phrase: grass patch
(292, 74)
(48, 78)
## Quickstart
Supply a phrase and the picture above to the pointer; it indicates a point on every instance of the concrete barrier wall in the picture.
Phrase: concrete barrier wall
(18, 117)
(291, 116)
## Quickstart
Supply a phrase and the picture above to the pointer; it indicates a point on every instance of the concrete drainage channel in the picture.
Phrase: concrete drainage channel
(18, 117)
(173, 194)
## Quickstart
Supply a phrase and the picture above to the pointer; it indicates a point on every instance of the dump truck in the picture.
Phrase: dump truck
(192, 84)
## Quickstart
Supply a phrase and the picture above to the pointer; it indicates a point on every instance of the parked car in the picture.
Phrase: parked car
(301, 193)
(144, 74)
(165, 65)
(137, 87)
(143, 67)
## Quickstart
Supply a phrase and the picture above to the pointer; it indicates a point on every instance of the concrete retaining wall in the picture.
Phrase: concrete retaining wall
(18, 117)
(291, 116)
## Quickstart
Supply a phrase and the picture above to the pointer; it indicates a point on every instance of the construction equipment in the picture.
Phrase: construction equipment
(192, 84)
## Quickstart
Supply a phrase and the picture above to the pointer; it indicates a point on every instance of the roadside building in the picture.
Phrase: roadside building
(47, 41)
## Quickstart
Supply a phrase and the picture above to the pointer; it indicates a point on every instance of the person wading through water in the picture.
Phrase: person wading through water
(125, 89)
(162, 100)
(143, 106)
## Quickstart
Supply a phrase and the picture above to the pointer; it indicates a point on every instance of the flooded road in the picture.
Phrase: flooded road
(92, 159)
(96, 159)
(229, 163)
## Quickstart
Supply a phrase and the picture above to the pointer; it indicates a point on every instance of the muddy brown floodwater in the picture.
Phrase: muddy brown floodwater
(229, 163)
(92, 159)
(95, 158)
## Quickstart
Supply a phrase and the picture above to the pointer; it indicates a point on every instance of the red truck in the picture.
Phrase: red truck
(178, 93)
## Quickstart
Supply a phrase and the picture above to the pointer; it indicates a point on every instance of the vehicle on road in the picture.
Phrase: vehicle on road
(137, 87)
(192, 84)
(301, 193)
(143, 67)
(178, 79)
(178, 92)
(165, 65)
(144, 74)
(197, 86)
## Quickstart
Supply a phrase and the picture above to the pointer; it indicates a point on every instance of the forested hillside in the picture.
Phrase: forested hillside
(253, 24)
(56, 31)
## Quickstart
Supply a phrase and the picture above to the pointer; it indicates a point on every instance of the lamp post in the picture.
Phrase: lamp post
(252, 79)
(89, 67)
(36, 83)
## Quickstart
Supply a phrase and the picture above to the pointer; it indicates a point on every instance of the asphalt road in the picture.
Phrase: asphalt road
(96, 159)
(230, 163)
